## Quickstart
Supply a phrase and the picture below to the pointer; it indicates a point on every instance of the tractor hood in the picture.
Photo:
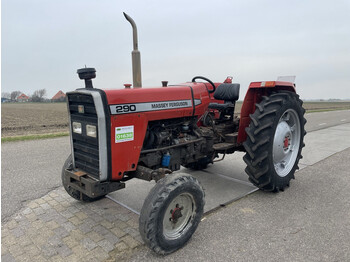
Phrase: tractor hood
(159, 102)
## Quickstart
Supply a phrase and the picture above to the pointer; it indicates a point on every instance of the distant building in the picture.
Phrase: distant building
(5, 100)
(22, 98)
(59, 97)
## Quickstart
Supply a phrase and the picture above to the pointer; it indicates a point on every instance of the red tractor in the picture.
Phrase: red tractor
(148, 133)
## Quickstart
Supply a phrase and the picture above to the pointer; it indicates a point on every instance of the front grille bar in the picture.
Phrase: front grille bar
(91, 157)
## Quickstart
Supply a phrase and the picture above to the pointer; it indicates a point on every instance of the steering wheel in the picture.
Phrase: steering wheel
(206, 79)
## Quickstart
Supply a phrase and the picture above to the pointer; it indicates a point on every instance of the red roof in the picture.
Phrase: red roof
(23, 96)
(59, 95)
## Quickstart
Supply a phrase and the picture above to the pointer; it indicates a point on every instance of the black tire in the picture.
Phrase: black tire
(72, 192)
(160, 200)
(261, 136)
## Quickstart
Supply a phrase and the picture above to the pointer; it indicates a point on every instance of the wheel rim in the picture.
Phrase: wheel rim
(286, 142)
(178, 216)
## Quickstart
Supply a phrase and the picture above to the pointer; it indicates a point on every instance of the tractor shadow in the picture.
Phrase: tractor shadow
(223, 182)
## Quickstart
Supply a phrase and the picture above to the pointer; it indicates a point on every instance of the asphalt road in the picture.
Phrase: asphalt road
(321, 120)
(30, 169)
(309, 223)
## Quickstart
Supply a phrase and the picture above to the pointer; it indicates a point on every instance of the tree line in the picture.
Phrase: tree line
(38, 95)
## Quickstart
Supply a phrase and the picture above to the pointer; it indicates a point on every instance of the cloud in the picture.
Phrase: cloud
(44, 42)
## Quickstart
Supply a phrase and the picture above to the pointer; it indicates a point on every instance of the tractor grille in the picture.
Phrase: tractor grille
(86, 149)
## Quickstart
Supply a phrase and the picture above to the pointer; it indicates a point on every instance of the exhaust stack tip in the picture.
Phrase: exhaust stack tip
(135, 54)
(126, 16)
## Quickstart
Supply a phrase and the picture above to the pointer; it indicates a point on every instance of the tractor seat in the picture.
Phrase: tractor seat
(227, 92)
(220, 107)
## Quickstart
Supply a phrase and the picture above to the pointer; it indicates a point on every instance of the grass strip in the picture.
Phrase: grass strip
(32, 137)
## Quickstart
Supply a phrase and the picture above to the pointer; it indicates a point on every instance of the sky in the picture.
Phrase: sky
(44, 42)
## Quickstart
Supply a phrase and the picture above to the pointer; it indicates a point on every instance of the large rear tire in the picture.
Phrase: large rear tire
(171, 213)
(73, 192)
(275, 141)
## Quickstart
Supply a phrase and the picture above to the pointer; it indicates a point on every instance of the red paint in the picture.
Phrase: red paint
(228, 80)
(286, 142)
(173, 213)
(253, 96)
(125, 155)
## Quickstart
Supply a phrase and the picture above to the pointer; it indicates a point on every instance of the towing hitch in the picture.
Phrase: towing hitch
(85, 184)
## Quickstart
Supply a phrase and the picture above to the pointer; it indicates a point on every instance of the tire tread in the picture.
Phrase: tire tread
(153, 203)
(259, 138)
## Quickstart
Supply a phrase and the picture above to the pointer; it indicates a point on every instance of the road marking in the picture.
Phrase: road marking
(230, 178)
(343, 120)
(322, 124)
(120, 203)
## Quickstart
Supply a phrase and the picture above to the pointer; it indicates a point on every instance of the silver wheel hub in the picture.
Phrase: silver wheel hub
(178, 216)
(286, 142)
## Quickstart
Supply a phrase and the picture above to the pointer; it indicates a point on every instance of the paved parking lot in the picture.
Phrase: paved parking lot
(308, 222)
(58, 228)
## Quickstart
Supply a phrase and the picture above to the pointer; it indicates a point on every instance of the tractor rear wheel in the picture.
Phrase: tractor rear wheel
(73, 192)
(275, 140)
(171, 213)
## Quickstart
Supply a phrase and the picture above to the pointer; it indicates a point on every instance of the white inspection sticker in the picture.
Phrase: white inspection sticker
(124, 134)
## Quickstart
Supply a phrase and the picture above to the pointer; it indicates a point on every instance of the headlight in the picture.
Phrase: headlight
(91, 130)
(76, 127)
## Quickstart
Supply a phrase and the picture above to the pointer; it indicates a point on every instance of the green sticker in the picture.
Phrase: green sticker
(124, 134)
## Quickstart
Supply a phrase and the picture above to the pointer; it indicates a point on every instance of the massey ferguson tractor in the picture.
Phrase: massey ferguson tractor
(148, 133)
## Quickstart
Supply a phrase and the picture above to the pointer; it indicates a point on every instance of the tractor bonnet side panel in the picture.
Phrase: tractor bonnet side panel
(127, 135)
(201, 97)
(132, 109)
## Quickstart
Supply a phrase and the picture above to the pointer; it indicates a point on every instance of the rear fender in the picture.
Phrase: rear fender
(253, 96)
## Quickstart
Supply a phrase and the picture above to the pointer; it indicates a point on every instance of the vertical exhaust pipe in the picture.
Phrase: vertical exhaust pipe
(135, 54)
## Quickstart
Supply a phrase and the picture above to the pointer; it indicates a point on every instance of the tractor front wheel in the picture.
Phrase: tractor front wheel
(73, 192)
(171, 213)
(275, 140)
